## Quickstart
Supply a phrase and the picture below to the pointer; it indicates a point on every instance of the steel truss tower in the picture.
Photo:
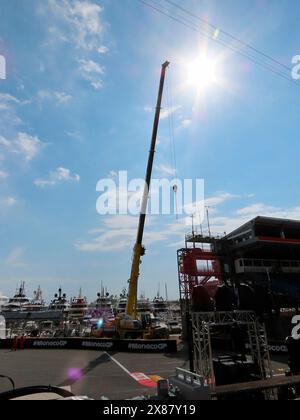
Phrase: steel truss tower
(203, 324)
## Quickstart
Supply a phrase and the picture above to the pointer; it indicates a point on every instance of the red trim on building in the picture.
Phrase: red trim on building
(279, 240)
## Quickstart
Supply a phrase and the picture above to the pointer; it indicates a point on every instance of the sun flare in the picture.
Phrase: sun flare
(201, 72)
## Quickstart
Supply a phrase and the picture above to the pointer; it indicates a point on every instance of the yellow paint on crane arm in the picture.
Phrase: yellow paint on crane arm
(133, 282)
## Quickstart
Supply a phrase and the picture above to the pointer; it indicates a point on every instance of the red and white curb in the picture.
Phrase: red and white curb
(139, 377)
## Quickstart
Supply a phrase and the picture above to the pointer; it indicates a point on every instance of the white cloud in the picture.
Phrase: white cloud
(8, 202)
(28, 146)
(57, 34)
(15, 258)
(197, 208)
(167, 112)
(165, 170)
(119, 232)
(185, 123)
(116, 233)
(245, 214)
(113, 174)
(81, 24)
(3, 175)
(92, 72)
(24, 144)
(9, 110)
(84, 23)
(4, 142)
(60, 175)
(74, 135)
(220, 198)
(125, 222)
(236, 218)
(90, 66)
(6, 98)
(3, 107)
(269, 211)
(60, 97)
(257, 208)
(102, 50)
(148, 109)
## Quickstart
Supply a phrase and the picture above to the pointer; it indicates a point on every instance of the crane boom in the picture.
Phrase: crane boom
(139, 250)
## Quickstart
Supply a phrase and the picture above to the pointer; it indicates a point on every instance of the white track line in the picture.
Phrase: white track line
(119, 364)
(137, 377)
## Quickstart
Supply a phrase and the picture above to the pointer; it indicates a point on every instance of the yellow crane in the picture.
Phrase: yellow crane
(131, 323)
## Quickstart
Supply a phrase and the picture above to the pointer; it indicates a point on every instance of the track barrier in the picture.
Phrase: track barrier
(129, 346)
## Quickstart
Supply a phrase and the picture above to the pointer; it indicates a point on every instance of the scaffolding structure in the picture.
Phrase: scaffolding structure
(203, 324)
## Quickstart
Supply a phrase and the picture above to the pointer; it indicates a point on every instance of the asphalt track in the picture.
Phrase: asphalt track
(90, 373)
(94, 374)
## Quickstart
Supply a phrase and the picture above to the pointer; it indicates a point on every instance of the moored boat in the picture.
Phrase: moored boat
(18, 302)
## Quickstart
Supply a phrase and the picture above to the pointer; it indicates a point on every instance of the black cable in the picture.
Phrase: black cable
(239, 52)
(171, 125)
(228, 34)
(191, 26)
(22, 392)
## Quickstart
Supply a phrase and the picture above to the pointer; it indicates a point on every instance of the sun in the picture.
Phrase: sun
(201, 72)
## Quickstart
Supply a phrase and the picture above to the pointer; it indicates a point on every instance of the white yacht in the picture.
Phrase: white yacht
(60, 303)
(104, 302)
(79, 308)
(101, 315)
(122, 303)
(17, 303)
(102, 307)
(37, 304)
(143, 305)
(160, 306)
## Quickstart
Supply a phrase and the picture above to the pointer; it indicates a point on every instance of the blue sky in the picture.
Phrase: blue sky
(77, 104)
